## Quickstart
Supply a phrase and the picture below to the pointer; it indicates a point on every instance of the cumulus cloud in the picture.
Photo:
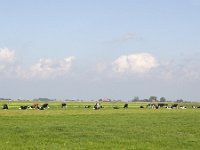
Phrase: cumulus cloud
(139, 64)
(135, 63)
(10, 67)
(48, 68)
(7, 62)
(7, 55)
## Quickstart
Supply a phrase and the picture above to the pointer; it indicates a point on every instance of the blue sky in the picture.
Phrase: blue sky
(92, 49)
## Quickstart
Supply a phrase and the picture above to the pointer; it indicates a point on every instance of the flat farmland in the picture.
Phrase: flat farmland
(79, 128)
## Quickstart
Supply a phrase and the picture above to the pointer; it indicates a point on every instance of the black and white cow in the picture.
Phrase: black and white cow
(63, 105)
(195, 107)
(174, 106)
(183, 107)
(162, 105)
(5, 107)
(23, 107)
(87, 106)
(152, 106)
(44, 106)
(97, 106)
(126, 105)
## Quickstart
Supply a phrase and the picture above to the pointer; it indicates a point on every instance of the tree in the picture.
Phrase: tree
(135, 99)
(162, 99)
(153, 98)
(179, 101)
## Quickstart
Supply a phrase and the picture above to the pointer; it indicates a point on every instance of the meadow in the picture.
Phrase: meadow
(77, 128)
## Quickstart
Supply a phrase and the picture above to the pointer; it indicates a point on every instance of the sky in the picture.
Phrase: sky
(91, 49)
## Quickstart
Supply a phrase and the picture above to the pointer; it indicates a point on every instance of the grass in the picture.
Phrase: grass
(85, 129)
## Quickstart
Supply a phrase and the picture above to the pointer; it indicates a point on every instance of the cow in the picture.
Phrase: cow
(97, 106)
(45, 105)
(174, 106)
(141, 106)
(152, 106)
(87, 106)
(168, 107)
(195, 107)
(183, 107)
(36, 106)
(23, 107)
(63, 105)
(126, 105)
(162, 105)
(40, 108)
(5, 107)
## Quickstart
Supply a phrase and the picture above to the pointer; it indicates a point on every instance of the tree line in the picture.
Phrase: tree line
(154, 99)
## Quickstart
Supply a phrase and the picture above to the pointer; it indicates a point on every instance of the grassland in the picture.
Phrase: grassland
(79, 128)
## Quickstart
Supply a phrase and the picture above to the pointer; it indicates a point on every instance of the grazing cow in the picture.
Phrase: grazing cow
(45, 105)
(41, 108)
(183, 107)
(152, 106)
(126, 105)
(97, 106)
(63, 105)
(5, 106)
(87, 106)
(162, 105)
(194, 107)
(168, 107)
(36, 106)
(174, 106)
(23, 107)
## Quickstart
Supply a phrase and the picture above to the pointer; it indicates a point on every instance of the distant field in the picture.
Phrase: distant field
(107, 128)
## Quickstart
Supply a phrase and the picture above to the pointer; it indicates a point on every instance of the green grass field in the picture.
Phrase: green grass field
(87, 129)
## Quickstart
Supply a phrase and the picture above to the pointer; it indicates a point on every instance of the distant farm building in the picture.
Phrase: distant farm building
(104, 100)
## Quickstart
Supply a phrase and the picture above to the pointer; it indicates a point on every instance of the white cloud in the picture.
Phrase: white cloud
(43, 69)
(7, 62)
(7, 55)
(135, 63)
(47, 68)
(139, 64)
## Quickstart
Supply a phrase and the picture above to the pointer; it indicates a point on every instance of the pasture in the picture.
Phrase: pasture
(76, 128)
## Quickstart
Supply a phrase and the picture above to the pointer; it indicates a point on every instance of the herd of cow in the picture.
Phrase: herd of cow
(63, 105)
(164, 105)
(34, 106)
(98, 106)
